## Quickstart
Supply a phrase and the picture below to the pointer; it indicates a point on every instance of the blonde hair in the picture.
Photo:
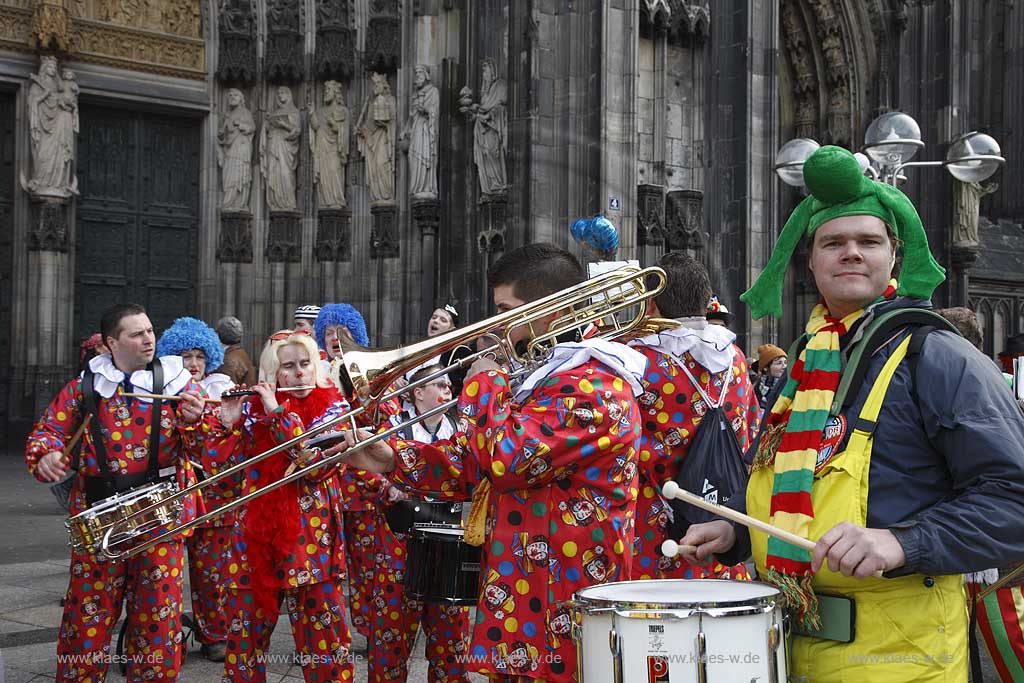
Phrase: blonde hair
(270, 363)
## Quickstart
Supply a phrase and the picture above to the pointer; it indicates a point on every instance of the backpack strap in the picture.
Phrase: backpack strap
(877, 333)
(153, 468)
(91, 403)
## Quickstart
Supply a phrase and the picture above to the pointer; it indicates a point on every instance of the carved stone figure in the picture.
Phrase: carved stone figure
(234, 153)
(490, 129)
(425, 107)
(328, 140)
(966, 211)
(53, 122)
(279, 152)
(375, 133)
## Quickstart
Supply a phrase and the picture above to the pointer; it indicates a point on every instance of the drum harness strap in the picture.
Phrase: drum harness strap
(106, 485)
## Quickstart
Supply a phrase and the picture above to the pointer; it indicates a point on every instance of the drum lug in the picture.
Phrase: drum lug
(774, 641)
(702, 658)
(615, 645)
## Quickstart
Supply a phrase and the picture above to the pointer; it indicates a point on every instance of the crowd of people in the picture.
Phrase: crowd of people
(905, 477)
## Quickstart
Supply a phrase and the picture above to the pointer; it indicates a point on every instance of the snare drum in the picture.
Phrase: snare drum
(680, 631)
(88, 528)
(441, 567)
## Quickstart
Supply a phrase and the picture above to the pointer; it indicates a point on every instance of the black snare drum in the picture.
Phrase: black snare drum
(406, 514)
(442, 568)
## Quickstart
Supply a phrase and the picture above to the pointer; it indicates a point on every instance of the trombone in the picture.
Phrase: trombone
(367, 375)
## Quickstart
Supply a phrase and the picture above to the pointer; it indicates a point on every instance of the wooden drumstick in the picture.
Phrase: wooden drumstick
(70, 445)
(672, 490)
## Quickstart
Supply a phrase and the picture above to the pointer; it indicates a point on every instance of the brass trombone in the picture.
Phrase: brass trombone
(368, 375)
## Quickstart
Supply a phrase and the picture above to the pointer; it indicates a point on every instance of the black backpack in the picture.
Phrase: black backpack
(713, 467)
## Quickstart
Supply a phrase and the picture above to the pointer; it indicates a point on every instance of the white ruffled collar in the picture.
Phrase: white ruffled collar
(622, 360)
(107, 378)
(711, 346)
(216, 383)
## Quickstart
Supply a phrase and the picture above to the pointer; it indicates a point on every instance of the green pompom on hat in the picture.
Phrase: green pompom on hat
(838, 187)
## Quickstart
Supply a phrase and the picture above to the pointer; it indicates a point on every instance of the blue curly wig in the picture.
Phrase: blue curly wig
(187, 334)
(340, 314)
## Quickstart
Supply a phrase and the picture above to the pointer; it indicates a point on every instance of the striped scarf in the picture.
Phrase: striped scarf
(793, 435)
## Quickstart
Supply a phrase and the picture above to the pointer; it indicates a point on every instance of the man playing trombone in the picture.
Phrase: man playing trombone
(551, 467)
(117, 455)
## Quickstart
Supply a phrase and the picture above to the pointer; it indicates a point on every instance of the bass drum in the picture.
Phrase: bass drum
(681, 631)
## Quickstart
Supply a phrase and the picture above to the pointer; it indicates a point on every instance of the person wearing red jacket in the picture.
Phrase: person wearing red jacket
(552, 469)
(287, 543)
(117, 454)
(690, 369)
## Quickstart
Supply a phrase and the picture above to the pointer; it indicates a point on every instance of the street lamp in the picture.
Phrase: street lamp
(890, 142)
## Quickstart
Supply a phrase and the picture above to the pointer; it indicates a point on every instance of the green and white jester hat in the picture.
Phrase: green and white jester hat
(838, 187)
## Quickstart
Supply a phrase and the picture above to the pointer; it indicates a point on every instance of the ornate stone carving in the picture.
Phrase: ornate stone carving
(284, 57)
(684, 220)
(422, 135)
(128, 48)
(493, 212)
(49, 228)
(383, 36)
(375, 133)
(966, 211)
(650, 223)
(427, 214)
(234, 153)
(490, 128)
(691, 19)
(384, 235)
(50, 23)
(235, 244)
(335, 40)
(279, 152)
(329, 140)
(236, 58)
(53, 123)
(806, 118)
(284, 239)
(839, 124)
(333, 235)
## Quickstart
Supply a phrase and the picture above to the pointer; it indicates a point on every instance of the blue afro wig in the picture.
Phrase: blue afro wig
(187, 334)
(340, 314)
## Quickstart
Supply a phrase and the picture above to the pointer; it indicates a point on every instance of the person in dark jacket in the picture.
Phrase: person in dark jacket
(237, 363)
(921, 477)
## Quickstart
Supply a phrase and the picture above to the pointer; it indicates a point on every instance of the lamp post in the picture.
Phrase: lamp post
(890, 143)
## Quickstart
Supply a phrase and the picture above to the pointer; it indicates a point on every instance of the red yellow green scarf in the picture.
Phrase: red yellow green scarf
(793, 435)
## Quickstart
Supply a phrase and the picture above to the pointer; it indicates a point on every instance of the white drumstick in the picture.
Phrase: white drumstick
(672, 490)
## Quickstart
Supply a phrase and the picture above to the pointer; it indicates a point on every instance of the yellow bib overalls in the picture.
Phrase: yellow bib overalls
(910, 629)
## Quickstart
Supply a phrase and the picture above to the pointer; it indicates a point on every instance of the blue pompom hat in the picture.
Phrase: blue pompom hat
(340, 314)
(187, 334)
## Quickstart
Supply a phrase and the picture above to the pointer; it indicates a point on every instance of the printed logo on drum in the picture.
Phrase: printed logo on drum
(656, 628)
(657, 669)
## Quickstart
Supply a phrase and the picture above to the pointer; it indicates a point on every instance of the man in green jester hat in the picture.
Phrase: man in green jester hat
(915, 478)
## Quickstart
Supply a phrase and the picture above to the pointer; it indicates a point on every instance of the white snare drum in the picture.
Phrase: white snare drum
(680, 631)
(87, 528)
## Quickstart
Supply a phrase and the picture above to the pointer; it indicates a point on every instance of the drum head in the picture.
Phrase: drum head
(678, 594)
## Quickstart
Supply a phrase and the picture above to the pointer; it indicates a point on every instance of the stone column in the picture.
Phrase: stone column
(962, 257)
(49, 266)
(426, 213)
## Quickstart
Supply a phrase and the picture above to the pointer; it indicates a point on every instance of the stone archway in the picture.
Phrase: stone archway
(834, 67)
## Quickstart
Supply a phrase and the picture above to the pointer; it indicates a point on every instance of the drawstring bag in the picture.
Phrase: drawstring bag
(713, 467)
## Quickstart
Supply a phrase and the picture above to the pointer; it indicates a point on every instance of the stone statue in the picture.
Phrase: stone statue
(328, 140)
(422, 135)
(490, 128)
(375, 133)
(966, 211)
(53, 123)
(279, 152)
(234, 153)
